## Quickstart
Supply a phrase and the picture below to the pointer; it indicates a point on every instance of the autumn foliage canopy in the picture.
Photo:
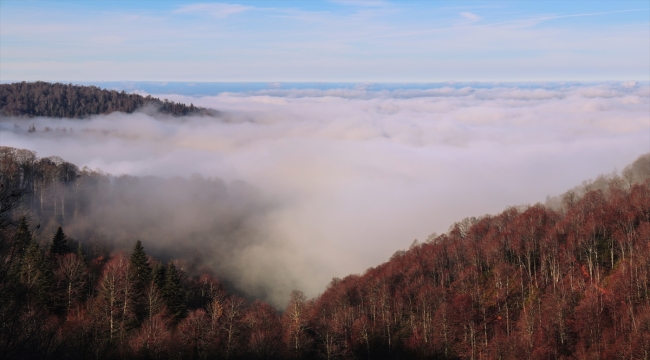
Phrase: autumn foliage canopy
(569, 281)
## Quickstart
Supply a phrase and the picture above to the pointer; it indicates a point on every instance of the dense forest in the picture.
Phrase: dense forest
(206, 220)
(76, 101)
(566, 280)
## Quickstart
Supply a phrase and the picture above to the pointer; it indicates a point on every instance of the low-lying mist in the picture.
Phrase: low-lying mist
(341, 179)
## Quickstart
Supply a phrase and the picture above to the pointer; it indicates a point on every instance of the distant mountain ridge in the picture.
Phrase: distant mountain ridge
(77, 101)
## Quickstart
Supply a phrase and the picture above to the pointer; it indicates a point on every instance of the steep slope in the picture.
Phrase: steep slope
(530, 282)
(567, 281)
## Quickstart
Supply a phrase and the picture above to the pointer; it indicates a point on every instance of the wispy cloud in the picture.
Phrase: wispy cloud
(528, 22)
(470, 16)
(109, 39)
(219, 10)
(369, 3)
(291, 41)
(535, 20)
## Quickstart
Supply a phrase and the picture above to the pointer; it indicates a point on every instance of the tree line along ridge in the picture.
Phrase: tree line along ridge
(76, 101)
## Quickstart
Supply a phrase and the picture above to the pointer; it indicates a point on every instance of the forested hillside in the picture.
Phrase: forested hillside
(206, 220)
(76, 101)
(568, 281)
(529, 283)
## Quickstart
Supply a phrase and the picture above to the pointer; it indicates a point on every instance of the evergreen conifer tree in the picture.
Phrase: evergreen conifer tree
(59, 243)
(140, 264)
(159, 275)
(173, 293)
(141, 276)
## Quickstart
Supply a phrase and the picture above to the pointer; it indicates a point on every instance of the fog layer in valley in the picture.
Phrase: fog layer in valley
(345, 177)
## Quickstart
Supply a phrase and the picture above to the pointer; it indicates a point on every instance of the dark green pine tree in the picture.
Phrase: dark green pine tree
(159, 275)
(173, 293)
(141, 275)
(59, 243)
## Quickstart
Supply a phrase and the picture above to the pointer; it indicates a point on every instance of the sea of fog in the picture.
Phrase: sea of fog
(358, 171)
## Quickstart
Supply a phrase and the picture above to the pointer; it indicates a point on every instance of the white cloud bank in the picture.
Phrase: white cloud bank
(358, 174)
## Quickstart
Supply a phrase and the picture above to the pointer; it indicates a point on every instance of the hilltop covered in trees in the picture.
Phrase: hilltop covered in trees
(76, 101)
(568, 281)
(207, 221)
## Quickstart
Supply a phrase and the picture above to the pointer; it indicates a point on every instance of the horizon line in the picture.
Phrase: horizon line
(4, 81)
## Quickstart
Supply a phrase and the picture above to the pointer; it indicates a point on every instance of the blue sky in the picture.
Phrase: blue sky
(330, 41)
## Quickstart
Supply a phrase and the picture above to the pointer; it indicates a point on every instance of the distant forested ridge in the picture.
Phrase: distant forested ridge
(569, 280)
(77, 101)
